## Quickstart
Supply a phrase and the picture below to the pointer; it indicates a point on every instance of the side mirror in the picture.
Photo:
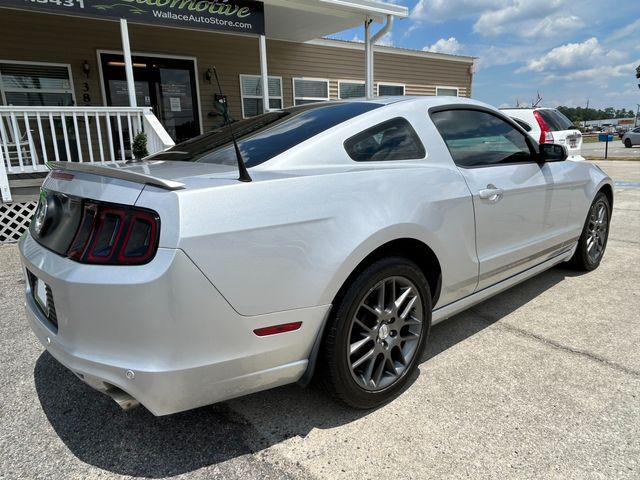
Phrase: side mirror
(552, 152)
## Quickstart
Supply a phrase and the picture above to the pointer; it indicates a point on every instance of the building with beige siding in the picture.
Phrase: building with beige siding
(172, 63)
(80, 78)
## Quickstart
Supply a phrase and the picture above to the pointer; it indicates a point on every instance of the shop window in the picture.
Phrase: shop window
(251, 92)
(390, 89)
(36, 84)
(351, 89)
(447, 91)
(309, 90)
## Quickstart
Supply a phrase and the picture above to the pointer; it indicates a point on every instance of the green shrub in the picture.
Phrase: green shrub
(139, 146)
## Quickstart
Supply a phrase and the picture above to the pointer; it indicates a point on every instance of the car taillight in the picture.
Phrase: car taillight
(546, 136)
(115, 235)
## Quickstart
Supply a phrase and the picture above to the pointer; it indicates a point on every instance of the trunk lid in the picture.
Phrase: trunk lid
(60, 206)
(571, 139)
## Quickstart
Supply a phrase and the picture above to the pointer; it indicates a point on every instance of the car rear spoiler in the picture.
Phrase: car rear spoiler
(116, 171)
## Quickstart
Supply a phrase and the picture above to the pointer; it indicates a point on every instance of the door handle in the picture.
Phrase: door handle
(491, 193)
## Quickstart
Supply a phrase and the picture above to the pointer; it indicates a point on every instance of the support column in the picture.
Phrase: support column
(368, 59)
(264, 74)
(128, 64)
(5, 191)
(370, 41)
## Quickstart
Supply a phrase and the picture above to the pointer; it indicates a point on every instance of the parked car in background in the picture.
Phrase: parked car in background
(621, 131)
(548, 125)
(631, 138)
(357, 224)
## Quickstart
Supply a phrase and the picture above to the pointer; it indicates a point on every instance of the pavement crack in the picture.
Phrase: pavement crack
(559, 346)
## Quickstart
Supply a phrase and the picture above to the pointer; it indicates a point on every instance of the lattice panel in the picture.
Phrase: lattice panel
(15, 219)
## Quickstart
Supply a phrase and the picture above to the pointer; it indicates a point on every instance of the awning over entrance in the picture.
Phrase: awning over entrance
(294, 20)
(302, 20)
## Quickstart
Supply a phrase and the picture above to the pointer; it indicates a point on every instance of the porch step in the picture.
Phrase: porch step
(25, 183)
(25, 187)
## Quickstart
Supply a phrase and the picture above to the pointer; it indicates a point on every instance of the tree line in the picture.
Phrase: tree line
(580, 114)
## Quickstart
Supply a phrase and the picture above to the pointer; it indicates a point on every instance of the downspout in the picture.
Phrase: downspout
(369, 58)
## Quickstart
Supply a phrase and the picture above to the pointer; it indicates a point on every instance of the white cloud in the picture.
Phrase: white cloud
(550, 26)
(523, 18)
(600, 74)
(445, 45)
(505, 19)
(625, 32)
(587, 61)
(491, 55)
(570, 55)
(440, 10)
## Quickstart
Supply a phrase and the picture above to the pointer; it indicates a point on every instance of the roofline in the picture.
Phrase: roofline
(371, 6)
(348, 44)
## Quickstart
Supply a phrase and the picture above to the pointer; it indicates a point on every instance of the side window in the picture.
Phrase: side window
(394, 139)
(522, 123)
(477, 138)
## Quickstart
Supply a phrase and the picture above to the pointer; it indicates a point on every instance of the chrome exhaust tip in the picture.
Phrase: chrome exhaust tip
(123, 399)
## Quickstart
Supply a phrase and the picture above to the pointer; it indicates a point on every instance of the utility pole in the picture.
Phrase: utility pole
(586, 112)
(635, 123)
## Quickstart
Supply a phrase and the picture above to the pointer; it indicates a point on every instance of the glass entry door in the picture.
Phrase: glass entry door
(167, 85)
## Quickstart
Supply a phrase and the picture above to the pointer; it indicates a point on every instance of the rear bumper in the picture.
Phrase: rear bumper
(165, 323)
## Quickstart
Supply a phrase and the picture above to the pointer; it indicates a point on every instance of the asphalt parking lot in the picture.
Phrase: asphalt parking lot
(542, 381)
(616, 149)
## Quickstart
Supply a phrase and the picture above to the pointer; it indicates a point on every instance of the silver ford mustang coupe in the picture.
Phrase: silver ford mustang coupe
(319, 241)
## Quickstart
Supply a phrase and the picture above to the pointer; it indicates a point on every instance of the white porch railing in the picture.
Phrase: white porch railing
(32, 136)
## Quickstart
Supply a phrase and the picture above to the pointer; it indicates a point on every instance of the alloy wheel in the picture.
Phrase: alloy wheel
(597, 230)
(385, 333)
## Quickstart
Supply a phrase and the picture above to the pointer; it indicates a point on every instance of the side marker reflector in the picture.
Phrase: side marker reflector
(285, 327)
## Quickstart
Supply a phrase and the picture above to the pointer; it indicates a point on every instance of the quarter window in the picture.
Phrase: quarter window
(391, 140)
(310, 90)
(36, 84)
(251, 92)
(477, 138)
(352, 89)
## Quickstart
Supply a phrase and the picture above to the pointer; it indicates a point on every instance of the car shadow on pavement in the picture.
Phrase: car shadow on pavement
(136, 443)
(466, 324)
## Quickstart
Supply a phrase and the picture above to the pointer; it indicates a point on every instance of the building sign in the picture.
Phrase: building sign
(246, 16)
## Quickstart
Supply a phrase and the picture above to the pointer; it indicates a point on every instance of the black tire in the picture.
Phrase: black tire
(627, 143)
(336, 371)
(582, 259)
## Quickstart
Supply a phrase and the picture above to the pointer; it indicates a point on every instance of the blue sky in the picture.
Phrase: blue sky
(568, 50)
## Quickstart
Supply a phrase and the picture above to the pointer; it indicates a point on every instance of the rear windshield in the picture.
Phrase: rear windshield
(556, 120)
(263, 137)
